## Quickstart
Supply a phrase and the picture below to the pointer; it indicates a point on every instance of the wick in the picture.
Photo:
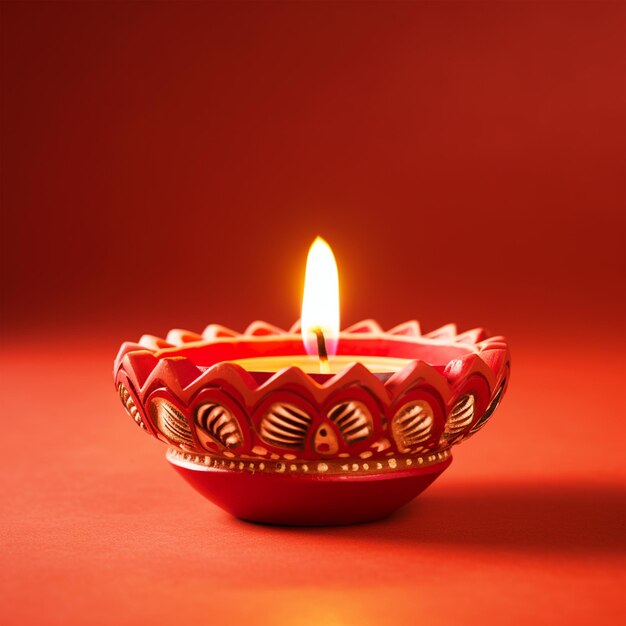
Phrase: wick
(321, 351)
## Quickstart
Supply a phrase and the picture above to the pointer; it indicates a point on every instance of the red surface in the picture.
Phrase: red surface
(526, 526)
(169, 164)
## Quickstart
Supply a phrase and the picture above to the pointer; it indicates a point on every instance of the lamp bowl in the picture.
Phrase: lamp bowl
(289, 447)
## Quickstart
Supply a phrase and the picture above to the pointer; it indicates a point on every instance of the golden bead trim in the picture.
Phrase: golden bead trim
(339, 466)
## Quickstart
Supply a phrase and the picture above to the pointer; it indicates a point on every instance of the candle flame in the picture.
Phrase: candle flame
(320, 302)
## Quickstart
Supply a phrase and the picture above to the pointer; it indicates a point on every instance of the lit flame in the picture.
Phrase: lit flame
(320, 302)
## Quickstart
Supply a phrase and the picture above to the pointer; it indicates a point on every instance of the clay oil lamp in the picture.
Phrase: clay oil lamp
(312, 426)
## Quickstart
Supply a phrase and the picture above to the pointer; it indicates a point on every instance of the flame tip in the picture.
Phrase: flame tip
(320, 241)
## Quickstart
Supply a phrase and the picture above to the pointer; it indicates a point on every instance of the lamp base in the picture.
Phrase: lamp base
(308, 500)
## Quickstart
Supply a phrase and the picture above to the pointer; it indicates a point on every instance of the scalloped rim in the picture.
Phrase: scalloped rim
(476, 340)
(147, 364)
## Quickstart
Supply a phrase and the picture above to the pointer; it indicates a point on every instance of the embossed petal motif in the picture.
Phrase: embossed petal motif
(220, 426)
(184, 390)
(412, 426)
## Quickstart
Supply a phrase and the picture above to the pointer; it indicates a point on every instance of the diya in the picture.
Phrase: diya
(313, 426)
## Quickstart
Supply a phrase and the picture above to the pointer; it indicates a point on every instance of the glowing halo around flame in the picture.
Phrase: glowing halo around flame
(320, 302)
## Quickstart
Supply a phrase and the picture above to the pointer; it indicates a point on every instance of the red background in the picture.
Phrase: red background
(168, 164)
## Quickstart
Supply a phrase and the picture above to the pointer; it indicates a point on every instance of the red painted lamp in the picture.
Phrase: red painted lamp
(312, 426)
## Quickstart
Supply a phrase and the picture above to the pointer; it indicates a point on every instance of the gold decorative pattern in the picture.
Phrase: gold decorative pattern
(412, 425)
(459, 418)
(170, 421)
(493, 405)
(326, 467)
(219, 424)
(354, 421)
(130, 406)
(285, 426)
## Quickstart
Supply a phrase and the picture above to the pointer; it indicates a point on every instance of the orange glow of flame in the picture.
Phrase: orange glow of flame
(320, 302)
